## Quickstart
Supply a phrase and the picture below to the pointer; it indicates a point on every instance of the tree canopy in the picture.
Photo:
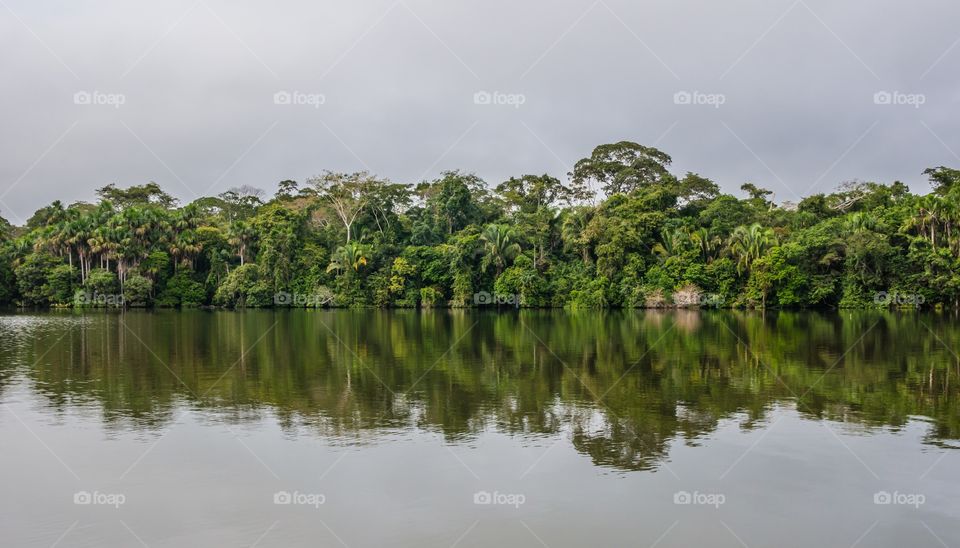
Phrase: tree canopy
(649, 238)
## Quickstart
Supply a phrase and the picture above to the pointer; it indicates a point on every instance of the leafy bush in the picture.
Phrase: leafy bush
(430, 297)
(61, 283)
(136, 291)
(240, 288)
(32, 275)
(102, 282)
(182, 291)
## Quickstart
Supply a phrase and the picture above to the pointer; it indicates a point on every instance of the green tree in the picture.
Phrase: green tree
(499, 247)
(622, 167)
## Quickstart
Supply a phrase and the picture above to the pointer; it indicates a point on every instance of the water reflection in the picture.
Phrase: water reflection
(623, 384)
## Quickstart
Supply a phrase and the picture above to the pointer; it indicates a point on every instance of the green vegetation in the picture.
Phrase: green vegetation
(353, 240)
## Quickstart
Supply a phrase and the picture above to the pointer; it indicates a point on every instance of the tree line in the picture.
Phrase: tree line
(620, 231)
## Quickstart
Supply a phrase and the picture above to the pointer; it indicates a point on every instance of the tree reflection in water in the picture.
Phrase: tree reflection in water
(622, 385)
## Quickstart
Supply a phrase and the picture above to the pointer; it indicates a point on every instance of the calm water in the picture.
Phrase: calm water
(394, 428)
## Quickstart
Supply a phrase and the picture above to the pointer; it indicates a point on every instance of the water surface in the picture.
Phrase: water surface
(391, 427)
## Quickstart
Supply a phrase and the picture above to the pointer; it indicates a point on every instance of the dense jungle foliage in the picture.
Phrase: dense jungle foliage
(646, 238)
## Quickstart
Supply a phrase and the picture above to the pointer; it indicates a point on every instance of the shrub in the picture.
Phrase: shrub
(590, 295)
(61, 282)
(654, 298)
(430, 296)
(101, 282)
(182, 290)
(238, 286)
(688, 295)
(32, 278)
(136, 291)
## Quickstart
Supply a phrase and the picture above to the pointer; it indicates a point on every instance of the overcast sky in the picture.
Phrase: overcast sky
(184, 93)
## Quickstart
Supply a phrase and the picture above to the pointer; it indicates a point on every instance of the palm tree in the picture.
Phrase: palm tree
(241, 235)
(347, 257)
(498, 247)
(121, 243)
(949, 212)
(188, 217)
(927, 218)
(48, 239)
(951, 217)
(931, 211)
(101, 244)
(57, 213)
(707, 241)
(21, 248)
(747, 244)
(573, 232)
(935, 206)
(856, 223)
(186, 245)
(77, 232)
(670, 242)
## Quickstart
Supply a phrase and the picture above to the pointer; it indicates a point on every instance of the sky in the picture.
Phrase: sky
(200, 96)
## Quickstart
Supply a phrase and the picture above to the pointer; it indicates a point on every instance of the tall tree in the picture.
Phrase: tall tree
(346, 194)
(622, 167)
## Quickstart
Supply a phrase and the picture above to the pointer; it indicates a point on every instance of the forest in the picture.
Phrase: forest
(621, 232)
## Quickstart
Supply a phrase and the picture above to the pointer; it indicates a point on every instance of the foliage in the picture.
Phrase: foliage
(32, 275)
(649, 238)
(182, 291)
(136, 291)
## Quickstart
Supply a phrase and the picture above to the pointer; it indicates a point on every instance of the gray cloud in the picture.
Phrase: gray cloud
(398, 80)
